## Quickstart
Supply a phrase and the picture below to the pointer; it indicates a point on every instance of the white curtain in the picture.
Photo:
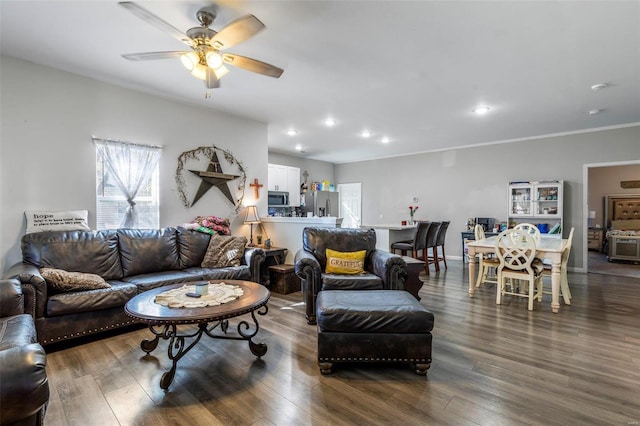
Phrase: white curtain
(130, 166)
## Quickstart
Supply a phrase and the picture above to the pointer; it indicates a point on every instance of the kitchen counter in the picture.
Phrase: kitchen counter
(387, 234)
(308, 221)
(391, 227)
(287, 231)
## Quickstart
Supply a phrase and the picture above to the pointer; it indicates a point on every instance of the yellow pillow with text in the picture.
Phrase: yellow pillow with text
(347, 263)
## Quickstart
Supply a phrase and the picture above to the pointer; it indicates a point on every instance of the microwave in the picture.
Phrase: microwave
(278, 198)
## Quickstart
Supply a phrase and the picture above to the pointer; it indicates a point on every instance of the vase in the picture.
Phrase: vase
(411, 221)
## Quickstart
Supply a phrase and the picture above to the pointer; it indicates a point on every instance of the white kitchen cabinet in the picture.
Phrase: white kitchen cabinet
(539, 203)
(285, 178)
(277, 178)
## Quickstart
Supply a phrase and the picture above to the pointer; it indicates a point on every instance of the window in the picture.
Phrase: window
(126, 185)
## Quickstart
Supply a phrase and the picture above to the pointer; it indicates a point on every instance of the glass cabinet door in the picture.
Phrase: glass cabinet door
(547, 200)
(520, 201)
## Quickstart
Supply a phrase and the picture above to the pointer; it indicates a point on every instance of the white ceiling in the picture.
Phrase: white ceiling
(409, 70)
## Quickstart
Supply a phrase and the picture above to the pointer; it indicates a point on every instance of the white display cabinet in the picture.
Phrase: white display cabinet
(539, 203)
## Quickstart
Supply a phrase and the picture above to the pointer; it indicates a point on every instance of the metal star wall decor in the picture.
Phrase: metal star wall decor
(213, 176)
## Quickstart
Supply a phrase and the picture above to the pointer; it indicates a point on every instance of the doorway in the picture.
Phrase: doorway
(350, 204)
(603, 180)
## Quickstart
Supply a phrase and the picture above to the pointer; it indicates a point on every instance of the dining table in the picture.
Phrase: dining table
(549, 248)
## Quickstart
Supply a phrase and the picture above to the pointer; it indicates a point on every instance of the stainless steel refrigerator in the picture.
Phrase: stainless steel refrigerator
(322, 203)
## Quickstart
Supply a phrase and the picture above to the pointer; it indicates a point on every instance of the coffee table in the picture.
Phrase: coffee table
(163, 321)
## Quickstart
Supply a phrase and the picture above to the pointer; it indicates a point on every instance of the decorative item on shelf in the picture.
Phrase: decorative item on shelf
(250, 218)
(412, 211)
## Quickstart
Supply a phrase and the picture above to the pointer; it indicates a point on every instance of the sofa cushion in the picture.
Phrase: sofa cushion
(118, 294)
(346, 263)
(224, 251)
(366, 281)
(94, 252)
(148, 250)
(146, 282)
(382, 311)
(242, 272)
(192, 245)
(17, 330)
(62, 280)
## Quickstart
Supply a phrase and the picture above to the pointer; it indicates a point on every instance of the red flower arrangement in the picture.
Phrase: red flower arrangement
(412, 210)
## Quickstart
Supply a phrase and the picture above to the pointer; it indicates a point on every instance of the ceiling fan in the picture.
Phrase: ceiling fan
(205, 60)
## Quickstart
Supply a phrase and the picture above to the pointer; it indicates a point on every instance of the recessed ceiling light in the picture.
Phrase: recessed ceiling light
(366, 134)
(595, 111)
(292, 132)
(329, 122)
(385, 140)
(298, 147)
(599, 86)
(481, 110)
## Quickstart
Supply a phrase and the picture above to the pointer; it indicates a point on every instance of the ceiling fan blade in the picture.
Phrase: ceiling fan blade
(237, 32)
(150, 56)
(252, 65)
(152, 19)
(212, 81)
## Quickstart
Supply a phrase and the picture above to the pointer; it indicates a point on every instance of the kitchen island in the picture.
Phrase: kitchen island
(389, 234)
(287, 231)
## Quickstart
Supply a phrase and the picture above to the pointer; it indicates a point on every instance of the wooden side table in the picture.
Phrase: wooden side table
(413, 284)
(275, 256)
(594, 238)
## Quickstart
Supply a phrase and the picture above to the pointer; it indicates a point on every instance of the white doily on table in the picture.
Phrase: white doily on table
(218, 294)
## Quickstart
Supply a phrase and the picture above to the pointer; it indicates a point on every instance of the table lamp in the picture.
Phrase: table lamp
(250, 218)
(592, 215)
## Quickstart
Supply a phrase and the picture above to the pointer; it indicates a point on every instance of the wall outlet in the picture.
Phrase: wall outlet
(414, 199)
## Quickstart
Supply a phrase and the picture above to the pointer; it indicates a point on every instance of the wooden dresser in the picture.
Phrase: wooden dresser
(594, 238)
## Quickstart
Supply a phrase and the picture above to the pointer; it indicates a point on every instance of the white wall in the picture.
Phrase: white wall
(457, 184)
(47, 160)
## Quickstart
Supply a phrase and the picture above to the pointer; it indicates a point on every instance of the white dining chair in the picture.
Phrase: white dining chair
(487, 264)
(531, 229)
(564, 280)
(516, 251)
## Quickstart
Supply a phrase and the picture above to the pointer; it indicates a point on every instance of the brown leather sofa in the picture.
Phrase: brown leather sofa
(24, 389)
(383, 270)
(130, 260)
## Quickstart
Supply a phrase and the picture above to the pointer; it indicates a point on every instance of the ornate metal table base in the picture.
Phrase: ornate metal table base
(177, 348)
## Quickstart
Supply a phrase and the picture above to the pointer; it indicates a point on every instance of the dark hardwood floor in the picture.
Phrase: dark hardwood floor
(492, 365)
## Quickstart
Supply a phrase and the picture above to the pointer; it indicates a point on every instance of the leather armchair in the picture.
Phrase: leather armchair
(383, 270)
(24, 388)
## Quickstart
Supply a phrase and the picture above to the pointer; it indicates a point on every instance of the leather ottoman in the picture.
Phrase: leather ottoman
(373, 326)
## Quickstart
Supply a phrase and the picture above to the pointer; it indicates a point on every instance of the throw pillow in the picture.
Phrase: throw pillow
(345, 263)
(39, 221)
(62, 280)
(224, 251)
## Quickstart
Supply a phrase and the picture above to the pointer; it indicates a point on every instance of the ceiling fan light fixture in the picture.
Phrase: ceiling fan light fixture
(221, 71)
(214, 60)
(199, 72)
(190, 60)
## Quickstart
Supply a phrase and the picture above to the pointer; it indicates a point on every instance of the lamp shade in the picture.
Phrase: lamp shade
(592, 214)
(252, 215)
